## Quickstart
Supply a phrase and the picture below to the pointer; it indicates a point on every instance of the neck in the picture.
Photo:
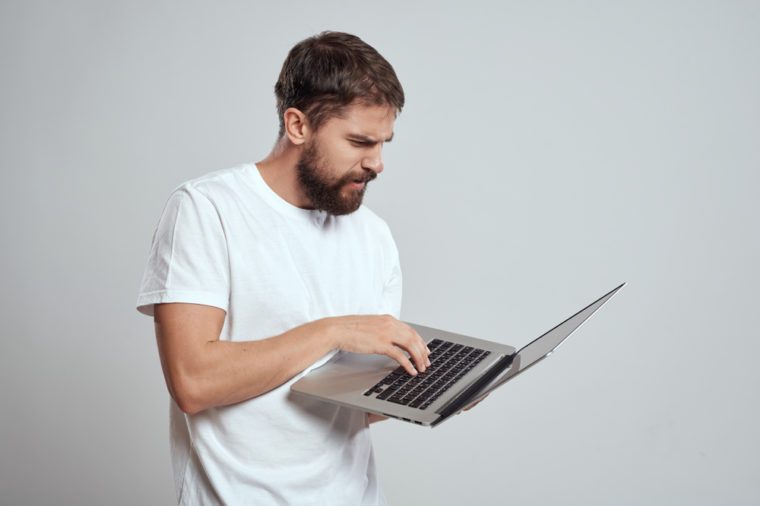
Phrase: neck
(279, 171)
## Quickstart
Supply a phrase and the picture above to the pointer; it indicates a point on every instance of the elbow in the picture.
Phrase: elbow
(189, 407)
(187, 395)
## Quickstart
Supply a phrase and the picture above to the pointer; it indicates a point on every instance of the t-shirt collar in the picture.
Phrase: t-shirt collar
(310, 216)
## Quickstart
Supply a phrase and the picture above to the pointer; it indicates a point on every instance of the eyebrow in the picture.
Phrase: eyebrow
(367, 140)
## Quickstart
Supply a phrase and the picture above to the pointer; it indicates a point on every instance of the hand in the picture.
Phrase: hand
(475, 403)
(382, 335)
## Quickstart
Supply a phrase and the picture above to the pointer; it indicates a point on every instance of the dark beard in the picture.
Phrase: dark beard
(324, 194)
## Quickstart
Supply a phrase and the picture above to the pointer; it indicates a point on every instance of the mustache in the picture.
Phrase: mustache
(368, 176)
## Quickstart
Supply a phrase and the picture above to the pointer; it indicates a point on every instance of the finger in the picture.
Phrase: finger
(476, 403)
(396, 354)
(424, 350)
(423, 355)
(417, 349)
(416, 353)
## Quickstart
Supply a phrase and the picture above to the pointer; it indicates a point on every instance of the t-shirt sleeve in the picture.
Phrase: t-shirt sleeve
(188, 259)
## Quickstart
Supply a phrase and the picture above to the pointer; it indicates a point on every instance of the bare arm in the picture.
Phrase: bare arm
(202, 372)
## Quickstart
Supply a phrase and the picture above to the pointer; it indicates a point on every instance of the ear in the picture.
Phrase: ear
(296, 126)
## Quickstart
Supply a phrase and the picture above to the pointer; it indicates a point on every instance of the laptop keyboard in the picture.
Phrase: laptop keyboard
(449, 362)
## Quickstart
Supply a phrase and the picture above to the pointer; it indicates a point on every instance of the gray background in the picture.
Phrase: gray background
(548, 151)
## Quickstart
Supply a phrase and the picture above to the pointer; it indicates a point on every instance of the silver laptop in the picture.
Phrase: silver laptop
(463, 370)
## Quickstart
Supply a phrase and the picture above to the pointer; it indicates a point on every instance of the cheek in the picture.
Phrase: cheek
(340, 158)
(347, 161)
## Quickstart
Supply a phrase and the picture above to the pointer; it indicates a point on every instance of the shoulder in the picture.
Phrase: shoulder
(215, 192)
(204, 198)
(214, 185)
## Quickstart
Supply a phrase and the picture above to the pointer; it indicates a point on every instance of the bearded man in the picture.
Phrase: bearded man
(261, 272)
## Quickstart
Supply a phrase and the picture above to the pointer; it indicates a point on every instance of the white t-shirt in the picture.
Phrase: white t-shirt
(228, 240)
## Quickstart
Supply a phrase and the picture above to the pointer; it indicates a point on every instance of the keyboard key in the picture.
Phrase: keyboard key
(449, 363)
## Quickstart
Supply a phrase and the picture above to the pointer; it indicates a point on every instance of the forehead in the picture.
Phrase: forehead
(373, 121)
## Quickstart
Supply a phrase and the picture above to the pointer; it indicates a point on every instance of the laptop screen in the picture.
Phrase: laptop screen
(543, 346)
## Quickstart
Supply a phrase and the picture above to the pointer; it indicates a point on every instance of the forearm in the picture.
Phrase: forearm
(203, 371)
(228, 372)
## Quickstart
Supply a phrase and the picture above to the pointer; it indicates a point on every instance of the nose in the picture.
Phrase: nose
(374, 160)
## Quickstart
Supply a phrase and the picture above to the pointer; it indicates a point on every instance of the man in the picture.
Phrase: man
(261, 272)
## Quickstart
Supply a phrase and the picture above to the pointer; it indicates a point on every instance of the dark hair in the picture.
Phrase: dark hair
(324, 74)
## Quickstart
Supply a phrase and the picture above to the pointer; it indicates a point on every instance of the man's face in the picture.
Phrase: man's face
(343, 156)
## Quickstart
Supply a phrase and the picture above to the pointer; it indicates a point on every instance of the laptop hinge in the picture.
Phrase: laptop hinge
(465, 396)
